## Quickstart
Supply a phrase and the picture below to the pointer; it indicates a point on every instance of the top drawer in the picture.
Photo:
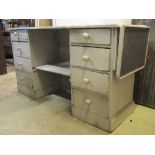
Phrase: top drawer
(19, 35)
(91, 36)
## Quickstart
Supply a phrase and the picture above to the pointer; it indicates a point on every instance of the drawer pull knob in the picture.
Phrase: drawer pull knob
(85, 58)
(15, 33)
(85, 35)
(18, 49)
(88, 101)
(85, 80)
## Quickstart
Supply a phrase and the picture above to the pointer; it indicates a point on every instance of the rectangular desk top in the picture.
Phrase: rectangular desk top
(79, 27)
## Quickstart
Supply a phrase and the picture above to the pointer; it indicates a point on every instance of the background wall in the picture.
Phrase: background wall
(67, 22)
(43, 22)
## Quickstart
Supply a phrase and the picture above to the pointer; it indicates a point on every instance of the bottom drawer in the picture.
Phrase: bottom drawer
(92, 118)
(101, 122)
(36, 94)
(90, 101)
(36, 80)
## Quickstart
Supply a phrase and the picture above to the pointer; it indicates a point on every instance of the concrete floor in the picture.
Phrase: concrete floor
(51, 114)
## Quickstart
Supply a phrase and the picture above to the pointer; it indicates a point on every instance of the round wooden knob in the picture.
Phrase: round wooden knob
(85, 58)
(15, 33)
(85, 80)
(88, 101)
(85, 35)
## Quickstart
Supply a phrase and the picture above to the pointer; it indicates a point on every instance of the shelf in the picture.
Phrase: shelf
(59, 68)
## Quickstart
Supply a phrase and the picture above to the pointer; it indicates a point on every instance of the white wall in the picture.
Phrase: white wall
(68, 22)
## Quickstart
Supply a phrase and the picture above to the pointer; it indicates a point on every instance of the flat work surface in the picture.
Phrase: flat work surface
(51, 115)
(77, 27)
(131, 53)
(62, 69)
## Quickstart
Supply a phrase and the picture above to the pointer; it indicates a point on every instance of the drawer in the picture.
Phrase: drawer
(94, 58)
(25, 79)
(22, 64)
(92, 118)
(90, 80)
(19, 35)
(21, 49)
(90, 101)
(36, 80)
(35, 94)
(91, 36)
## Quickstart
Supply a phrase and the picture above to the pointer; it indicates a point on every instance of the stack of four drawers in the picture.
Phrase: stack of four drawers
(90, 73)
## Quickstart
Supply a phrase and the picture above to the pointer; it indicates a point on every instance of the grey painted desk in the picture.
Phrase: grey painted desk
(95, 64)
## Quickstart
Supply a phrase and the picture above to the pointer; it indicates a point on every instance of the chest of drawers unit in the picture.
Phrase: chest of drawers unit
(94, 64)
(27, 56)
(103, 62)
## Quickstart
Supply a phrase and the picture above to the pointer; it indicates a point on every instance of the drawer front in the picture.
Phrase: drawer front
(14, 36)
(91, 36)
(94, 58)
(25, 79)
(90, 101)
(44, 80)
(23, 36)
(22, 64)
(90, 80)
(92, 118)
(21, 49)
(36, 80)
(35, 94)
(19, 35)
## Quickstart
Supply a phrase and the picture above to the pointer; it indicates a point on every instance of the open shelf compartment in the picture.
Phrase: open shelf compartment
(58, 68)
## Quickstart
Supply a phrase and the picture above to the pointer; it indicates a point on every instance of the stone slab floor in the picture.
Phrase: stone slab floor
(51, 115)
